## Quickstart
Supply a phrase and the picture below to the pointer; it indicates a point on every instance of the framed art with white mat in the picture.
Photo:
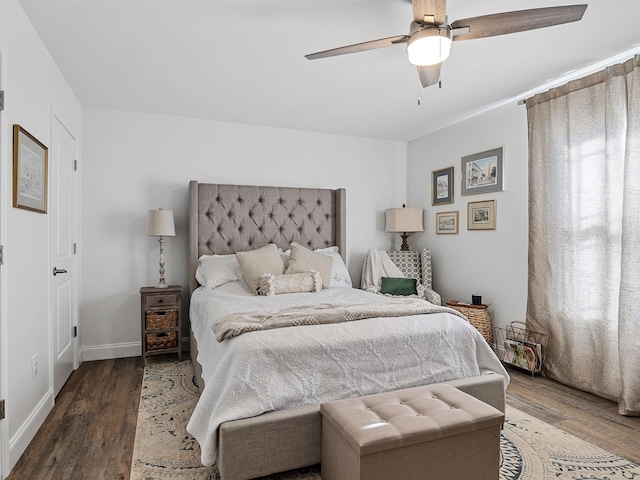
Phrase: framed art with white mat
(447, 222)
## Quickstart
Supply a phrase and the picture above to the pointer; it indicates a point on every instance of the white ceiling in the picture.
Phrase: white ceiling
(243, 60)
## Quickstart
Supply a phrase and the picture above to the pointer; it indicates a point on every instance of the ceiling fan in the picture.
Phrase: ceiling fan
(430, 37)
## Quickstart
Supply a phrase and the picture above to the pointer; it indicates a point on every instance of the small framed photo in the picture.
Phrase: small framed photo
(442, 186)
(482, 172)
(481, 215)
(447, 222)
(29, 171)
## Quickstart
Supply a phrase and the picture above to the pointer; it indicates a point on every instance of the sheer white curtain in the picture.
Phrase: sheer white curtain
(584, 231)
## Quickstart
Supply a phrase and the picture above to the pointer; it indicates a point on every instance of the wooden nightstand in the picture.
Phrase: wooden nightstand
(161, 320)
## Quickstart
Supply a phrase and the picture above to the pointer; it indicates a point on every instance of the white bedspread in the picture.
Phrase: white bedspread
(258, 372)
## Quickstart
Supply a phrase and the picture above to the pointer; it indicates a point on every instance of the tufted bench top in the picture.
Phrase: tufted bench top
(400, 418)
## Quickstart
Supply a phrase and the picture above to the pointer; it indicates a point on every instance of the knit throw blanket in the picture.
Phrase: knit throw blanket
(238, 323)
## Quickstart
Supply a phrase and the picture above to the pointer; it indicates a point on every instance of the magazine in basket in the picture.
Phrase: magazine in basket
(522, 348)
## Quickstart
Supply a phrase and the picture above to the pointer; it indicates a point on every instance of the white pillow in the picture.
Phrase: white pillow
(340, 276)
(216, 270)
(339, 272)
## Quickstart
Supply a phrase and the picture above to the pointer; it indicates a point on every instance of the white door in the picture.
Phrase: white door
(62, 184)
(3, 374)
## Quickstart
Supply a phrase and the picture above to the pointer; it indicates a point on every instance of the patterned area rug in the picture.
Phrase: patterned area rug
(531, 449)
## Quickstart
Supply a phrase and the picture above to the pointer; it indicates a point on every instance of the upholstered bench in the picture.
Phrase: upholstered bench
(433, 432)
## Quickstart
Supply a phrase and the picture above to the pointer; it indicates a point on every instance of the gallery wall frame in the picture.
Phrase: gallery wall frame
(442, 186)
(30, 171)
(483, 172)
(447, 222)
(481, 215)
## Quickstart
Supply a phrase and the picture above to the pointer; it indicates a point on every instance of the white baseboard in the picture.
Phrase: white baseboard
(104, 352)
(116, 350)
(20, 441)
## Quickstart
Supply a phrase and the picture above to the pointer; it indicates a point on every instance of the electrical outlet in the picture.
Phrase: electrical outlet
(34, 366)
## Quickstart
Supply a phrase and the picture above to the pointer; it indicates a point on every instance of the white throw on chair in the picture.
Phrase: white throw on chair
(408, 264)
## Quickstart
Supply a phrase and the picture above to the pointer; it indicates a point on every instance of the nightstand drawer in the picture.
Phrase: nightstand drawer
(162, 341)
(161, 300)
(161, 319)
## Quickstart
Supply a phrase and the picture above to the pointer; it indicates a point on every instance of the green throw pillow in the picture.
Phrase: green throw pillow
(399, 286)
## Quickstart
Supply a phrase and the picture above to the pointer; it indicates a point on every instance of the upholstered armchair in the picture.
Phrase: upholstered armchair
(417, 264)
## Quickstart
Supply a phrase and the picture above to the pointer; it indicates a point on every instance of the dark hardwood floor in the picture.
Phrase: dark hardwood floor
(90, 432)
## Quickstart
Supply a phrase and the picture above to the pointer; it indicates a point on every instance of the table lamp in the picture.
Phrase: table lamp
(404, 220)
(160, 224)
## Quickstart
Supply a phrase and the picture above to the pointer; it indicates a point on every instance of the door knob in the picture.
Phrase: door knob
(57, 271)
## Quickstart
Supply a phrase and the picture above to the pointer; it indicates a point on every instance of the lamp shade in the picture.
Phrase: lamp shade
(160, 223)
(405, 219)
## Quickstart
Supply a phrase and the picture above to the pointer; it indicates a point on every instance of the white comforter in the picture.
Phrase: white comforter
(258, 372)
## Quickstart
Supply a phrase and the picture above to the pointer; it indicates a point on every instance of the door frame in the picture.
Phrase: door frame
(4, 189)
(76, 264)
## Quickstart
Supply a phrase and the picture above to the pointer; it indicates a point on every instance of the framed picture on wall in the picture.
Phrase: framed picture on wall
(29, 171)
(442, 186)
(447, 222)
(482, 172)
(481, 215)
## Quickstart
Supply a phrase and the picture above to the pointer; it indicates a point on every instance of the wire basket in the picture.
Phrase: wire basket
(517, 346)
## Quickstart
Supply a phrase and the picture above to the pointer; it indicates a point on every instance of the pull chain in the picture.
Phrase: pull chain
(419, 99)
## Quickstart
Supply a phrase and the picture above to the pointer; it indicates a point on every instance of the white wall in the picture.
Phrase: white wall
(136, 162)
(34, 87)
(491, 263)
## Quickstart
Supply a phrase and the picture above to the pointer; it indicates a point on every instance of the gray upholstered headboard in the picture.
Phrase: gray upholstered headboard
(226, 219)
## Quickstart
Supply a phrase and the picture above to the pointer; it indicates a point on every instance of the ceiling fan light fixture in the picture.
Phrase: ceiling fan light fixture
(429, 46)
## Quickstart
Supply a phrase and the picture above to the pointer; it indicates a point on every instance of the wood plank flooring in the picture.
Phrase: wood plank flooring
(586, 416)
(89, 433)
(91, 430)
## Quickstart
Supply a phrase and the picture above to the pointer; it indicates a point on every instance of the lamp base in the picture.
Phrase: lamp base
(161, 282)
(405, 246)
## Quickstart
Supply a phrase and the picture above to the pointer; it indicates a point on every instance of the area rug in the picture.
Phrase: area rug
(531, 449)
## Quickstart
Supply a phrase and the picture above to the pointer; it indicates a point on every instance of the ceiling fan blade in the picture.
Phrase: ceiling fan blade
(429, 75)
(518, 21)
(429, 8)
(360, 47)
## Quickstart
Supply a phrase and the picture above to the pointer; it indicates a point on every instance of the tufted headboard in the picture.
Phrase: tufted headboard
(226, 219)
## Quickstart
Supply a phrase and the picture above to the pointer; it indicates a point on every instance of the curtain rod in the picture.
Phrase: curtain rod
(583, 72)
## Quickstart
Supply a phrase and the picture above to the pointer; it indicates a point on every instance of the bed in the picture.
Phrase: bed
(253, 429)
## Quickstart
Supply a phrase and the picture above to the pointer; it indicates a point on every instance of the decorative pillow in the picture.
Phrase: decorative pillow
(289, 283)
(340, 276)
(302, 260)
(216, 270)
(399, 286)
(255, 263)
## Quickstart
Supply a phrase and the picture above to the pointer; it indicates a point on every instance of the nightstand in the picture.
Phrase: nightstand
(161, 319)
(478, 316)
